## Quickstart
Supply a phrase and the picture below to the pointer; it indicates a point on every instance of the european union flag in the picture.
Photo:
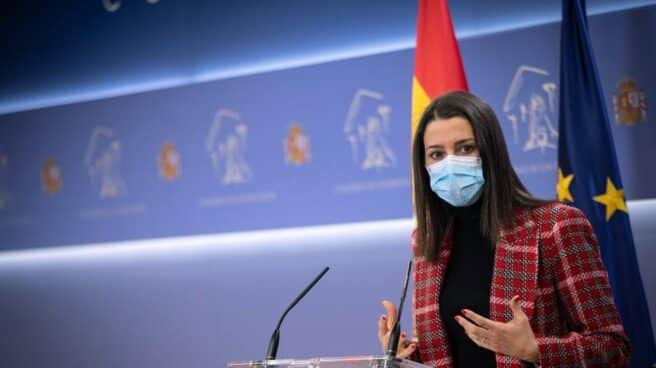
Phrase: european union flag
(589, 177)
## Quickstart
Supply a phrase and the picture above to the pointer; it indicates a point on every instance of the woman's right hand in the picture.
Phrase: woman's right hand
(385, 325)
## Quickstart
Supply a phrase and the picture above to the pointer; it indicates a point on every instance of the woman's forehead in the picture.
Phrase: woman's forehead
(447, 131)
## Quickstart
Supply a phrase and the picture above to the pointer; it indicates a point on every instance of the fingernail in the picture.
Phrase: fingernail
(384, 317)
(463, 311)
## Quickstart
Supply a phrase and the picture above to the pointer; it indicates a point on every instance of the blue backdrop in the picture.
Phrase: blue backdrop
(319, 144)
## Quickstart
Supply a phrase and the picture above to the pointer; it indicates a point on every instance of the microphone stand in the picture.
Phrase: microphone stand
(395, 335)
(272, 351)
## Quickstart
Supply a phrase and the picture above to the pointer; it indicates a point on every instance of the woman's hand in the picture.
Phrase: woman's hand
(385, 326)
(514, 338)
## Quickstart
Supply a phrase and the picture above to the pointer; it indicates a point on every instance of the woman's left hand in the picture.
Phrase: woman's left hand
(514, 338)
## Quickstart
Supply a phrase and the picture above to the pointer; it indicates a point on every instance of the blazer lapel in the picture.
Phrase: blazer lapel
(516, 263)
(434, 344)
(515, 268)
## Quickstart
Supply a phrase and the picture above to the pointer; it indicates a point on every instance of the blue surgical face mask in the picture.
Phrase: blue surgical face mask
(457, 179)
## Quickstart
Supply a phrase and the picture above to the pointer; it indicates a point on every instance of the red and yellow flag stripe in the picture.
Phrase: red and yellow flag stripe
(438, 66)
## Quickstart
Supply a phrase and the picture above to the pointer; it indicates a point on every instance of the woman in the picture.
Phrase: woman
(502, 279)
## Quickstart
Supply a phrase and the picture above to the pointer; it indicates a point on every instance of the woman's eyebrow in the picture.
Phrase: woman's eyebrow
(434, 146)
(463, 141)
(458, 143)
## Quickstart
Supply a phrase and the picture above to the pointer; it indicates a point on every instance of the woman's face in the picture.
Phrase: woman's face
(453, 136)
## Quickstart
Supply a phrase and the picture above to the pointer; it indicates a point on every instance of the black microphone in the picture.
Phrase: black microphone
(275, 337)
(393, 343)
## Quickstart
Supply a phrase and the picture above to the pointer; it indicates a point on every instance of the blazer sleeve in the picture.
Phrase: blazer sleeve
(416, 355)
(597, 337)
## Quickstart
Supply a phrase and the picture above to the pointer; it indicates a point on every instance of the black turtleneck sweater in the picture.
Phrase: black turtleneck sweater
(467, 285)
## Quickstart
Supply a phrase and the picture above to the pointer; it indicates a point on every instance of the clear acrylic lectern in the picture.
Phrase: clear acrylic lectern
(337, 362)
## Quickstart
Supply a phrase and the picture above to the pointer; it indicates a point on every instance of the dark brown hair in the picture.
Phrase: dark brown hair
(502, 192)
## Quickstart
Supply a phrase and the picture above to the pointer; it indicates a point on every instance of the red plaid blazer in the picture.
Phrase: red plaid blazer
(550, 258)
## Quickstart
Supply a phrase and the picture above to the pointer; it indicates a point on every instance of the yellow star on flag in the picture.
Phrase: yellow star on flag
(613, 199)
(562, 187)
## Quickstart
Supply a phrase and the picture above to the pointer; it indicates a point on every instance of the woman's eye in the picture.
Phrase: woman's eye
(467, 149)
(435, 155)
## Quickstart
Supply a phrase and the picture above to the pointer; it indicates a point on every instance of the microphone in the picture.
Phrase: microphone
(393, 343)
(272, 352)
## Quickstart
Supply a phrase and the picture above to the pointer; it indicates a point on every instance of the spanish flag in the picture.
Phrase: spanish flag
(438, 67)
